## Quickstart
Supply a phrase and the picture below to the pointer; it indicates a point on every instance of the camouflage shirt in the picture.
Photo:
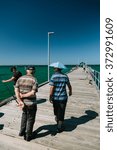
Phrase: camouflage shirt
(26, 84)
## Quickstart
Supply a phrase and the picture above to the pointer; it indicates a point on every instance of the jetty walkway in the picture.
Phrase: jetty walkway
(82, 120)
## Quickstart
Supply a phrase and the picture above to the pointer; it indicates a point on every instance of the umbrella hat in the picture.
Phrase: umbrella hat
(58, 65)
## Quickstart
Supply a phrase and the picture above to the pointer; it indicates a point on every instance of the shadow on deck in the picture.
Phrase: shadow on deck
(70, 124)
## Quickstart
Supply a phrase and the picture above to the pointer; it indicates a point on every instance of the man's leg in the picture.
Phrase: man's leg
(61, 114)
(23, 122)
(55, 108)
(30, 121)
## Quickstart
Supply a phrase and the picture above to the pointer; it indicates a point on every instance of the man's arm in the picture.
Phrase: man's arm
(29, 94)
(51, 93)
(70, 89)
(9, 80)
(20, 102)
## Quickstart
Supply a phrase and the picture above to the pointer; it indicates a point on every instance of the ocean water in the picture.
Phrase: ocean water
(95, 67)
(7, 90)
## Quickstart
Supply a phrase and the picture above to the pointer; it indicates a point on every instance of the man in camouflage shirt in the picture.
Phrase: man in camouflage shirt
(25, 90)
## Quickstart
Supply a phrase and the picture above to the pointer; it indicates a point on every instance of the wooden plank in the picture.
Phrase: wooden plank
(82, 120)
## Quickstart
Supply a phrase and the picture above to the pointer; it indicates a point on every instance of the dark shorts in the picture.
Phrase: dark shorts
(59, 109)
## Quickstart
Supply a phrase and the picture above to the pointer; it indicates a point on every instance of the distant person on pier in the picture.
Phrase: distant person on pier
(58, 94)
(15, 77)
(84, 68)
(25, 90)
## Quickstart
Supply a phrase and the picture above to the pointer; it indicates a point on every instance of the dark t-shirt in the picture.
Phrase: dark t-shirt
(16, 75)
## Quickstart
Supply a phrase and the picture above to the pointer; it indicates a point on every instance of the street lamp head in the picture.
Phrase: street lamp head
(50, 32)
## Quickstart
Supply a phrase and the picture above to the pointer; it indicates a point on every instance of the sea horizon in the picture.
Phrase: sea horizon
(41, 74)
(40, 64)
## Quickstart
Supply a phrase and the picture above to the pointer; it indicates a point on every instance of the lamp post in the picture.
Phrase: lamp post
(49, 33)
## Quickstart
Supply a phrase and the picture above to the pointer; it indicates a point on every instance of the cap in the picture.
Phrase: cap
(30, 68)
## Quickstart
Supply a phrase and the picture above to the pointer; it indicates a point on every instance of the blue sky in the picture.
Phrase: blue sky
(24, 25)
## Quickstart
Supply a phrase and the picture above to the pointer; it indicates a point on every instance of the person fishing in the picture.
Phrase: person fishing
(15, 77)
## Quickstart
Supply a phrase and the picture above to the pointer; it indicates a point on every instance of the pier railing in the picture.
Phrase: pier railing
(95, 76)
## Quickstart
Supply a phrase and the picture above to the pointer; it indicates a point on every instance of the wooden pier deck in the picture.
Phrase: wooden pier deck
(82, 121)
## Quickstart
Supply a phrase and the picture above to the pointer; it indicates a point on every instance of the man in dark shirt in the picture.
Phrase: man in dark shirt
(15, 77)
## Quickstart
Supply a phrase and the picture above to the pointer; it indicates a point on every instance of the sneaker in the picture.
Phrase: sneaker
(56, 119)
(22, 134)
(27, 138)
(60, 129)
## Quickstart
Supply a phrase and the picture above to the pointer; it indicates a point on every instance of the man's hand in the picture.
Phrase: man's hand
(21, 95)
(51, 99)
(21, 104)
(70, 93)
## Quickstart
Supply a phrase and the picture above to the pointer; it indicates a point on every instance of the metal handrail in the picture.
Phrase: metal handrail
(96, 76)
